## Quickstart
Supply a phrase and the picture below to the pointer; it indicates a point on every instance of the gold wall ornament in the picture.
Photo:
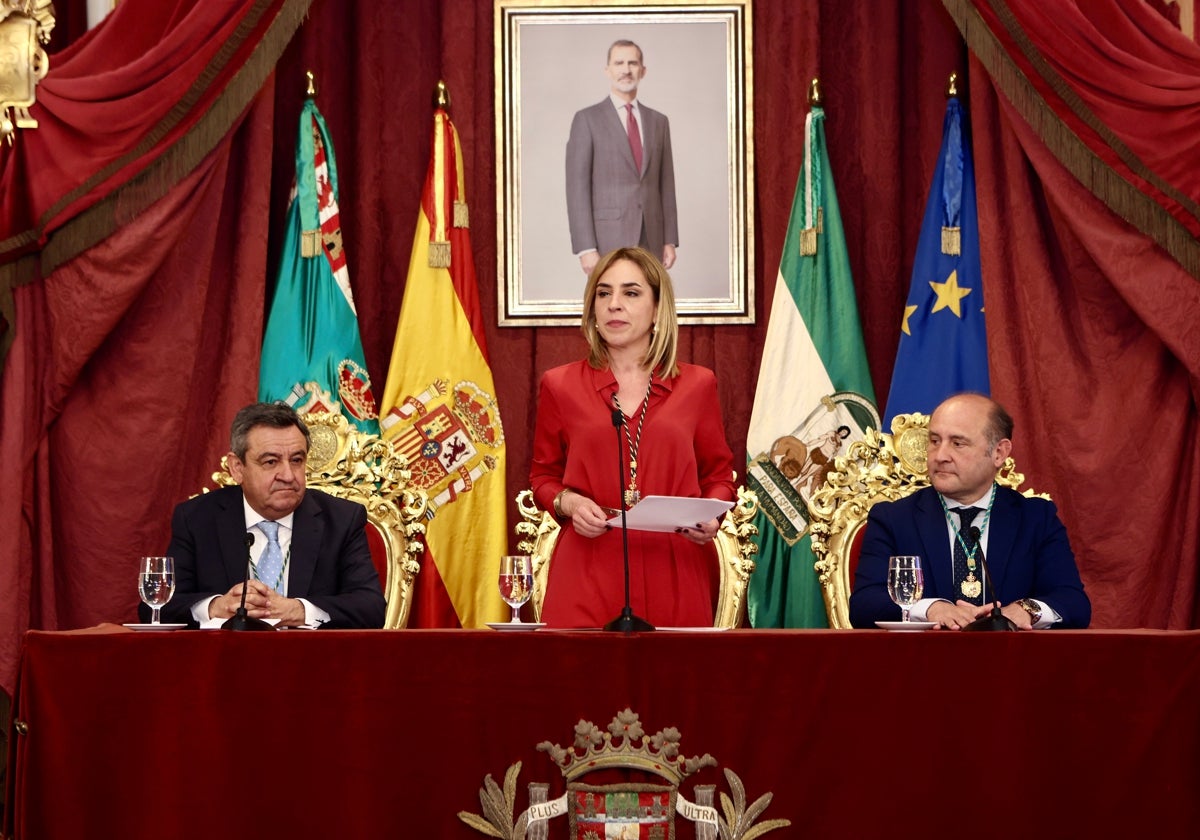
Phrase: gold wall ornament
(636, 803)
(25, 26)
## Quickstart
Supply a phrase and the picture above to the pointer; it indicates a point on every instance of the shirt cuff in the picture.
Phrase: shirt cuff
(918, 611)
(200, 609)
(314, 616)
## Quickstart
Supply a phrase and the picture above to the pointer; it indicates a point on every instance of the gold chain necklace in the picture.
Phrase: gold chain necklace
(633, 495)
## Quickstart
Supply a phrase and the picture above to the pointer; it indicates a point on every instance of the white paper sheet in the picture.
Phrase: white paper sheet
(668, 513)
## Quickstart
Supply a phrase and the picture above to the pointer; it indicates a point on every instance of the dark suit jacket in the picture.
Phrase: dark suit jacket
(330, 562)
(608, 199)
(1028, 555)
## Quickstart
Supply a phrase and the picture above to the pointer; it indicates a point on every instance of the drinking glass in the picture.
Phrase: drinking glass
(156, 583)
(905, 581)
(516, 582)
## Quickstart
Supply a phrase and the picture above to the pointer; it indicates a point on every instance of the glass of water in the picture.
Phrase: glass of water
(156, 583)
(905, 582)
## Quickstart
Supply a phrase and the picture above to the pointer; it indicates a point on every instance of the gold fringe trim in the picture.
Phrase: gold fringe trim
(129, 200)
(133, 197)
(952, 241)
(310, 243)
(439, 254)
(1109, 186)
(462, 215)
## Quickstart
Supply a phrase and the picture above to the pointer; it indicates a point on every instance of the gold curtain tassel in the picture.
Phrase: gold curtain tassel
(808, 242)
(952, 241)
(439, 254)
(462, 215)
(310, 243)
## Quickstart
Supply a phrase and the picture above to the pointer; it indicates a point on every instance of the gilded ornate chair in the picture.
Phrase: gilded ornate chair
(344, 462)
(880, 467)
(538, 531)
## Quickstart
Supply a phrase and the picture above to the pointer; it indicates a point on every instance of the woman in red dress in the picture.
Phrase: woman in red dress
(672, 444)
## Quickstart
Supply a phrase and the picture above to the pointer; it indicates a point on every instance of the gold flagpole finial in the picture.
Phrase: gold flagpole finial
(814, 93)
(441, 96)
(952, 85)
(311, 92)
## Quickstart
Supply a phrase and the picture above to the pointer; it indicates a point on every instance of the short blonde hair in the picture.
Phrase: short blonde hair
(664, 340)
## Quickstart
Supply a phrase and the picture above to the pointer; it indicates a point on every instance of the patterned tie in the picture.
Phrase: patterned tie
(635, 137)
(962, 572)
(270, 565)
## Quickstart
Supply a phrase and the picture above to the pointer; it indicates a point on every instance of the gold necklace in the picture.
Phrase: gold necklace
(633, 495)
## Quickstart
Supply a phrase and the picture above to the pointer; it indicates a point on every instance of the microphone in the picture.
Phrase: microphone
(997, 621)
(626, 622)
(239, 620)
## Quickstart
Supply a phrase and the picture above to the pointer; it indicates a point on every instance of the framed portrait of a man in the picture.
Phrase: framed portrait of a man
(622, 124)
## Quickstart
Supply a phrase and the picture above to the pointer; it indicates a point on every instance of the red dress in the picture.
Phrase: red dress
(683, 452)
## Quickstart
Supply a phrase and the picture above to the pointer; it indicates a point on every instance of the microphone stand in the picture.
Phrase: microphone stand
(996, 621)
(626, 622)
(240, 620)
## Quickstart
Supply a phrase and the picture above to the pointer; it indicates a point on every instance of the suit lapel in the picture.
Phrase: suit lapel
(931, 523)
(231, 530)
(1002, 534)
(307, 526)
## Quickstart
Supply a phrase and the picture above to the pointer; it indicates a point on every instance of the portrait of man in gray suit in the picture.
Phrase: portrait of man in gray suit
(620, 174)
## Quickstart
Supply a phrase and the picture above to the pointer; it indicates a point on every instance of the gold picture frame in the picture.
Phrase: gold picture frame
(551, 57)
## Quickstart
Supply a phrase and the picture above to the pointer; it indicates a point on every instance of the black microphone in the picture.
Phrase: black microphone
(239, 620)
(626, 622)
(997, 621)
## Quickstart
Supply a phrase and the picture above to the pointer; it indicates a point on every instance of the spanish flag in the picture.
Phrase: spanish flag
(439, 406)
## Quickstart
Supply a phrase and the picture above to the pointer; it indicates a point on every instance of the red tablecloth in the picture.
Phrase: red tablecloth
(389, 734)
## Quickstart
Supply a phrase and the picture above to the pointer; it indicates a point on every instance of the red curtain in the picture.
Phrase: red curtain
(130, 358)
(1097, 353)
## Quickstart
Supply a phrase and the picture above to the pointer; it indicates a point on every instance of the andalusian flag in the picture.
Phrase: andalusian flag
(814, 395)
(312, 355)
(439, 406)
(943, 338)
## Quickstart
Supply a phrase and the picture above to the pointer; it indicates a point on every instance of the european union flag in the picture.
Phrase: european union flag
(943, 339)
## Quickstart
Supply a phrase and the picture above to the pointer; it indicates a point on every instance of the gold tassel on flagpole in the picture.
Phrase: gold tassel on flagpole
(439, 254)
(310, 243)
(952, 236)
(808, 236)
(952, 241)
(310, 240)
(462, 215)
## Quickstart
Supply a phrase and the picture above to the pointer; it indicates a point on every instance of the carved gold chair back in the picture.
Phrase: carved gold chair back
(538, 532)
(880, 467)
(363, 468)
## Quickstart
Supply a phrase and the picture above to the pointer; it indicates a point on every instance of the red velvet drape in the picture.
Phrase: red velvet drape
(129, 361)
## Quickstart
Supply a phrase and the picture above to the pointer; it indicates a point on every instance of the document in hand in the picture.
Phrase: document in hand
(668, 513)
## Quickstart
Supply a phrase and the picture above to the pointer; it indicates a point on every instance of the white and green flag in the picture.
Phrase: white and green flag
(814, 396)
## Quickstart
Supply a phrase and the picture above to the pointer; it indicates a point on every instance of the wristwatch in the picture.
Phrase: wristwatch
(1033, 608)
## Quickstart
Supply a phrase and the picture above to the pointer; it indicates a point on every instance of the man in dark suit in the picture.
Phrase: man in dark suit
(620, 175)
(311, 563)
(1024, 542)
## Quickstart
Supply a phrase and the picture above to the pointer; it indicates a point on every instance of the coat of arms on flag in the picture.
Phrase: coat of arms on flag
(787, 475)
(450, 436)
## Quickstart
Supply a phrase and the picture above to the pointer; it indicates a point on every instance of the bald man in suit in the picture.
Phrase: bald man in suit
(611, 203)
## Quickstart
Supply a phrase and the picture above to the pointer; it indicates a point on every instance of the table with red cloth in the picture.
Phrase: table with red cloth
(389, 734)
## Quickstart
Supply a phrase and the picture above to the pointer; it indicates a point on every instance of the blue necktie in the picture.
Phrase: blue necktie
(270, 565)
